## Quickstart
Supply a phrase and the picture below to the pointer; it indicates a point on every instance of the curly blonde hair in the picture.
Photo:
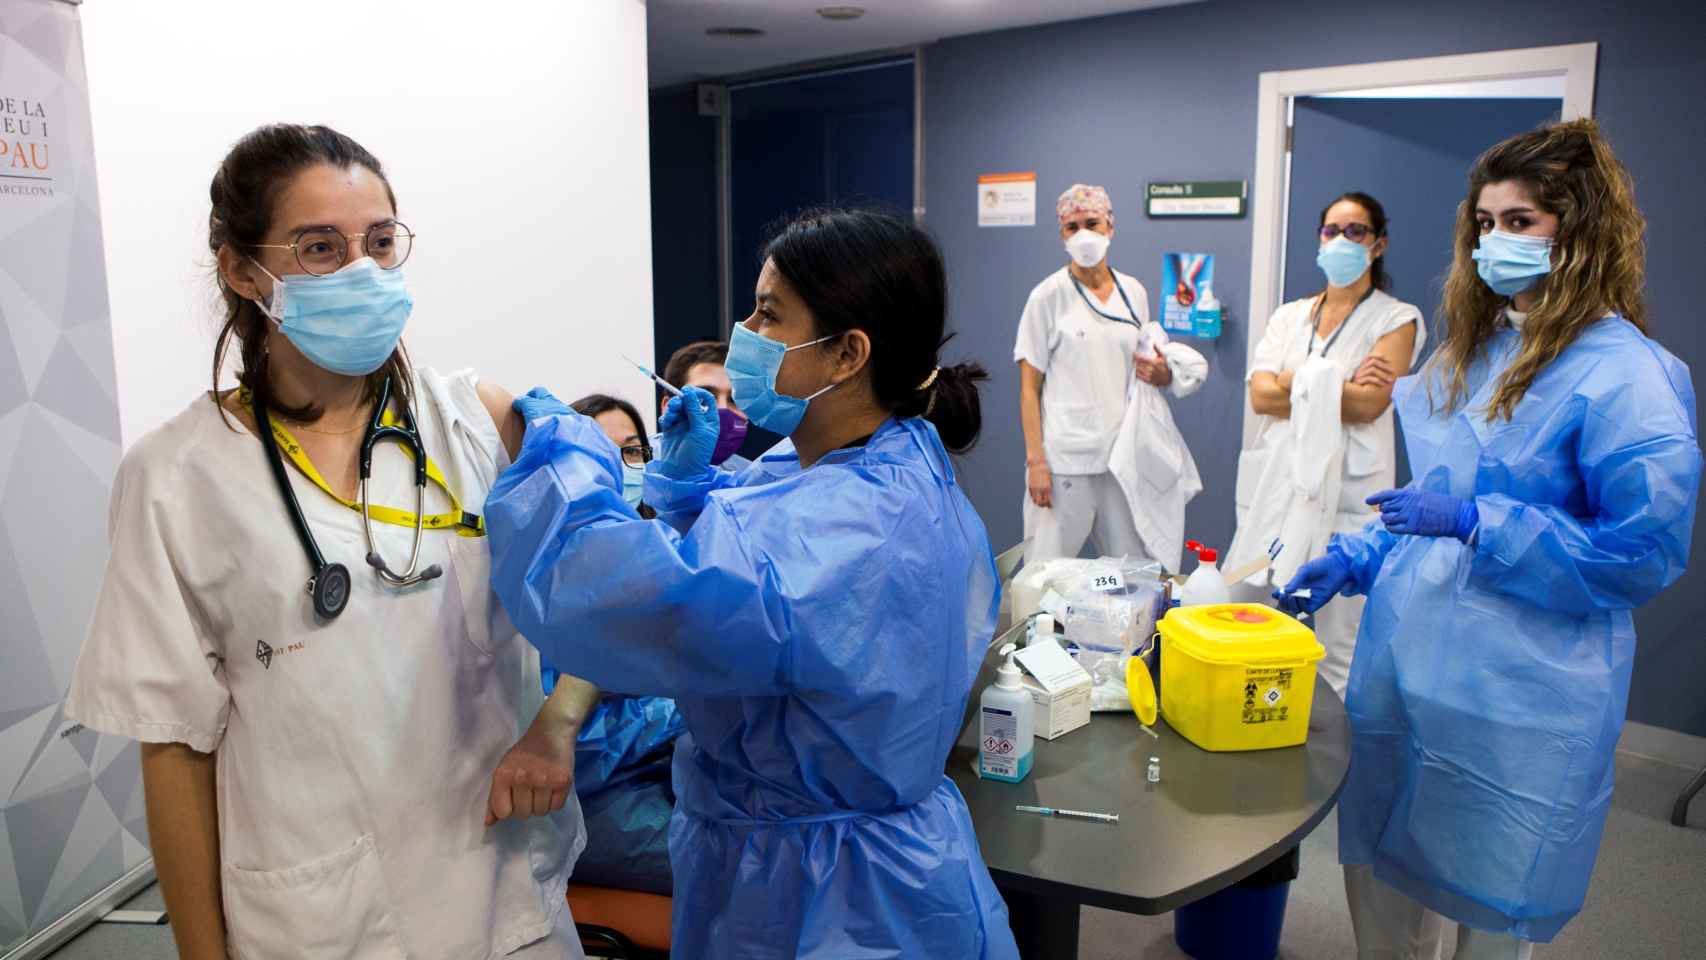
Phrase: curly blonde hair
(1598, 258)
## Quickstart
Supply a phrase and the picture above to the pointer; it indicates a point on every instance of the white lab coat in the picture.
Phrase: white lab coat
(1296, 498)
(1098, 418)
(1370, 453)
(1367, 454)
(354, 758)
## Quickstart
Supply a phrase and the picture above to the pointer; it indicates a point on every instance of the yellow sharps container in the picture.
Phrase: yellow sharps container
(1237, 676)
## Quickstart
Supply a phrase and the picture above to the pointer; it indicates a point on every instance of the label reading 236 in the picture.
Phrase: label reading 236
(1107, 582)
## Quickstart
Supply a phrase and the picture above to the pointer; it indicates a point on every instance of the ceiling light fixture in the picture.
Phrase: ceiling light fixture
(841, 12)
(738, 33)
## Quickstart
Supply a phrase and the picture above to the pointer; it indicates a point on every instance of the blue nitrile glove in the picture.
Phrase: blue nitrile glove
(1423, 513)
(1323, 577)
(687, 434)
(537, 403)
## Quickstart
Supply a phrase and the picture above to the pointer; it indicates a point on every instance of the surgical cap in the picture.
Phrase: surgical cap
(1084, 198)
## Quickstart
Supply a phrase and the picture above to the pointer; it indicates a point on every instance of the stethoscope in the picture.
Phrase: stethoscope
(330, 583)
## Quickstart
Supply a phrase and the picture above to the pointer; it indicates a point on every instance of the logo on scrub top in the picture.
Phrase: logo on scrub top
(263, 653)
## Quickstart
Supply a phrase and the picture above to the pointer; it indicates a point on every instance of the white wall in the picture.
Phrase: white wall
(514, 134)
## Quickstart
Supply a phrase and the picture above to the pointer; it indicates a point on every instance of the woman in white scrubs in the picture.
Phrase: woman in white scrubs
(1374, 339)
(386, 783)
(1103, 458)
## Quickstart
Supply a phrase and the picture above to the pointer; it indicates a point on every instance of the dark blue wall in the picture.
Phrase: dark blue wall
(1408, 154)
(684, 223)
(1171, 94)
(837, 138)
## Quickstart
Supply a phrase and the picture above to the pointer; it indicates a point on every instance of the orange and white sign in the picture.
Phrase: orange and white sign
(1007, 199)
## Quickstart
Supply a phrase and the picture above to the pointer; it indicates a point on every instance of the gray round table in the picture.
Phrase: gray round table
(1214, 819)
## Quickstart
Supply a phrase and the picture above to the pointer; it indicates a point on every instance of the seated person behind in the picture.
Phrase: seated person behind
(623, 752)
(700, 364)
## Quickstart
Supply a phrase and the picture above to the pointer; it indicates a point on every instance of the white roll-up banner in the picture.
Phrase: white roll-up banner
(70, 799)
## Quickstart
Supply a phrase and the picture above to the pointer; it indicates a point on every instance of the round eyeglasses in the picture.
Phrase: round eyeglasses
(636, 454)
(324, 250)
(1357, 232)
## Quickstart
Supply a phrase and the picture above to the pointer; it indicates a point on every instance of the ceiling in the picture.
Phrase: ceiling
(679, 51)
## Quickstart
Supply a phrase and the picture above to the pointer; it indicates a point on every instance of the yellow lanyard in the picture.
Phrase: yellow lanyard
(465, 524)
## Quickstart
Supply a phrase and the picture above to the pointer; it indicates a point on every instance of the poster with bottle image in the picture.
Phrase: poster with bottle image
(1188, 304)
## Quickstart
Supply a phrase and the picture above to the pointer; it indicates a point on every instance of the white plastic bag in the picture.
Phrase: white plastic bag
(1109, 611)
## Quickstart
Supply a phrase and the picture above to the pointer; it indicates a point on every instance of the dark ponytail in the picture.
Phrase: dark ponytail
(874, 271)
(247, 184)
(1377, 220)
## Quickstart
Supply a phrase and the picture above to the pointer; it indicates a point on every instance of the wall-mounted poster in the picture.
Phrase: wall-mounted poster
(1007, 199)
(1188, 303)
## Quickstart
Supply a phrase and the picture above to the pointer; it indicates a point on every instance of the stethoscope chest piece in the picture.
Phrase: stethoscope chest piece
(330, 590)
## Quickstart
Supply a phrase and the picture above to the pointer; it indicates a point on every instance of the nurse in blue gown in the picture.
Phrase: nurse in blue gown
(1556, 470)
(818, 618)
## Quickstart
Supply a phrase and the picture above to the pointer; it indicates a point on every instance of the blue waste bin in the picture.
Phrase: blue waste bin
(1242, 922)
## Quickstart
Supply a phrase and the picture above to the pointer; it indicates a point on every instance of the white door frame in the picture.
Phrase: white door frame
(1275, 91)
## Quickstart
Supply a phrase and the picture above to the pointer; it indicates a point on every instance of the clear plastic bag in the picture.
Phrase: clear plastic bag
(1109, 609)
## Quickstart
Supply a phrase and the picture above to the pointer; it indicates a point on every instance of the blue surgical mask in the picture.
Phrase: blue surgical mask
(1343, 260)
(1510, 263)
(752, 365)
(633, 478)
(347, 322)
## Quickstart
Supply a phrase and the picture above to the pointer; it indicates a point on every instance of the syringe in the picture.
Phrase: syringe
(1080, 814)
(671, 388)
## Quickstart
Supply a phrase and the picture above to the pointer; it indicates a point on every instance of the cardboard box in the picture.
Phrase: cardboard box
(1059, 688)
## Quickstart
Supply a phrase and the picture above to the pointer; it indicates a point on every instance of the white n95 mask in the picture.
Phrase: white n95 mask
(1087, 248)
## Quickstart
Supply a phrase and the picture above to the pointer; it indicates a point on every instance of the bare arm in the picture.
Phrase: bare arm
(1366, 395)
(498, 403)
(536, 775)
(1270, 393)
(1369, 393)
(183, 829)
(570, 701)
(1038, 480)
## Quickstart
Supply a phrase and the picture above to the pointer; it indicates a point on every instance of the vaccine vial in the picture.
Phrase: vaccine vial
(1154, 769)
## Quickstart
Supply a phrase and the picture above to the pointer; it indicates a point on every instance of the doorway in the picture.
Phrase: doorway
(1405, 132)
(1410, 153)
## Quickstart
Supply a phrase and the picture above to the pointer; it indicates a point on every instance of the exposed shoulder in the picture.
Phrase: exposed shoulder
(497, 401)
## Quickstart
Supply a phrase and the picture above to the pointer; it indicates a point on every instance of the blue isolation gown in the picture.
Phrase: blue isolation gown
(622, 777)
(1491, 680)
(820, 631)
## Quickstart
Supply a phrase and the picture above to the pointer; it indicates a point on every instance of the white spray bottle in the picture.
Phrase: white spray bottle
(1205, 584)
(1006, 725)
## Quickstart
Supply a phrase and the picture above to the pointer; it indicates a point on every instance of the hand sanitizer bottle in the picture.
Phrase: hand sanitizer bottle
(1006, 725)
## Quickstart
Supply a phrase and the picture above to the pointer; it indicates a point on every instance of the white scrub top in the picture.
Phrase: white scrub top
(1370, 460)
(1086, 362)
(354, 759)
